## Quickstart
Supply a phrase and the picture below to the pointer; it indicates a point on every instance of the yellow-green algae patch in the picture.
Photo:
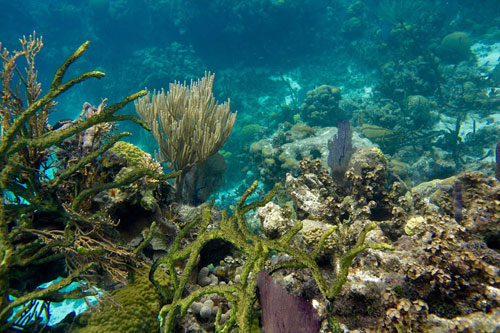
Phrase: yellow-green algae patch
(133, 154)
(139, 305)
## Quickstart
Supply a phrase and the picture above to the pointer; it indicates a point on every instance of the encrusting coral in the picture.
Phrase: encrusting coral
(134, 308)
(127, 157)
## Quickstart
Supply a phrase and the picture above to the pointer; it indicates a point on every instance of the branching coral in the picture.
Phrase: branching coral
(242, 294)
(38, 226)
(187, 123)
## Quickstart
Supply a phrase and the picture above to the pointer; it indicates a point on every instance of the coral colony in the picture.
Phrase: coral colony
(356, 189)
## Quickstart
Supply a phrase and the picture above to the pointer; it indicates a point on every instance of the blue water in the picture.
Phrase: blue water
(55, 312)
(142, 44)
(266, 55)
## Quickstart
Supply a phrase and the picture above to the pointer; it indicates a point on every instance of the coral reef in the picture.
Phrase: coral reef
(390, 224)
(133, 308)
(422, 283)
(188, 124)
(256, 251)
(455, 47)
(281, 154)
(42, 223)
(321, 107)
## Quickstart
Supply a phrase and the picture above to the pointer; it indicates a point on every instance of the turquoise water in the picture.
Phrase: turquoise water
(418, 79)
(55, 312)
(266, 55)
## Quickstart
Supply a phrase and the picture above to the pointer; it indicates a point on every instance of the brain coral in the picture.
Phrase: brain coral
(455, 47)
(321, 107)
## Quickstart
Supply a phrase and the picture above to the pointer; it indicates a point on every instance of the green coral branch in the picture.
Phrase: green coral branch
(178, 293)
(287, 237)
(228, 325)
(5, 312)
(241, 209)
(246, 194)
(56, 88)
(147, 239)
(225, 290)
(58, 76)
(218, 326)
(287, 265)
(25, 255)
(347, 259)
(322, 241)
(122, 117)
(247, 298)
(53, 137)
(171, 259)
(260, 203)
(224, 221)
(180, 236)
(129, 178)
(231, 321)
(88, 158)
(40, 253)
(9, 170)
(75, 294)
(233, 229)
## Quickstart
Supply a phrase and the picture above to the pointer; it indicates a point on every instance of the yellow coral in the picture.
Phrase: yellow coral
(130, 152)
(312, 233)
(414, 225)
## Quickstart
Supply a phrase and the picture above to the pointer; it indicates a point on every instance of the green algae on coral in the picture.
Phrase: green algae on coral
(133, 308)
(30, 200)
(242, 294)
(132, 154)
